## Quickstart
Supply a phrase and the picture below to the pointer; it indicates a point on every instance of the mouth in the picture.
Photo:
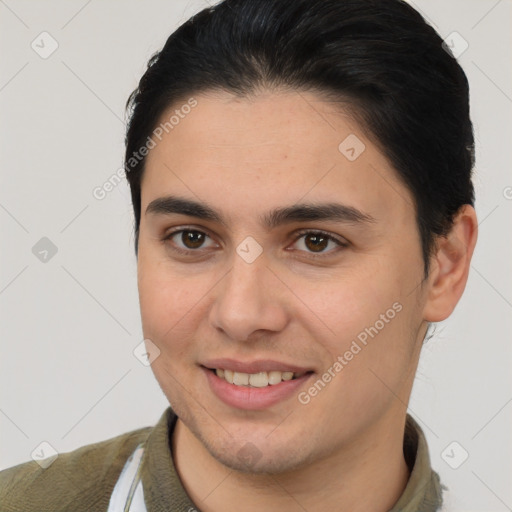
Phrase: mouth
(254, 386)
(256, 380)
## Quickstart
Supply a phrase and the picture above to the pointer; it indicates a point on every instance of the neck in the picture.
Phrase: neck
(369, 474)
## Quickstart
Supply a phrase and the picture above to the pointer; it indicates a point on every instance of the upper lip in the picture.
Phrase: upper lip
(261, 365)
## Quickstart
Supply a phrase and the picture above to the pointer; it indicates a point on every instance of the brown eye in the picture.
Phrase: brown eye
(188, 241)
(192, 239)
(316, 242)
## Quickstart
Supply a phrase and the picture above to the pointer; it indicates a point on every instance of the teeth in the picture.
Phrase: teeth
(258, 380)
(274, 378)
(255, 380)
(241, 379)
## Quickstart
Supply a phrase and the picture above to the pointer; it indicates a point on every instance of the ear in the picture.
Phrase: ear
(450, 266)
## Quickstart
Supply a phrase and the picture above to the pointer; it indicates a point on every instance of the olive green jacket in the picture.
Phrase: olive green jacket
(83, 480)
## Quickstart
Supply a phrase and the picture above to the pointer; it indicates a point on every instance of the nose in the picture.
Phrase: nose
(250, 298)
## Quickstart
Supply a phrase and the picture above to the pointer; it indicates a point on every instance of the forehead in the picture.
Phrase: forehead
(274, 148)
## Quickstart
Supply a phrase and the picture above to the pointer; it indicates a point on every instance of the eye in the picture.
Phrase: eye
(315, 242)
(190, 240)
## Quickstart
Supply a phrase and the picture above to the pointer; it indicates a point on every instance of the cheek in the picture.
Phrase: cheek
(348, 302)
(366, 321)
(166, 308)
(168, 304)
(171, 303)
(162, 295)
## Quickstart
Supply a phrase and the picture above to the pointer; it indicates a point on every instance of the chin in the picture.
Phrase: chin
(251, 460)
(245, 447)
(256, 453)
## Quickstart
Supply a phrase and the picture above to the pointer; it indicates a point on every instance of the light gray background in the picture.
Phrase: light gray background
(68, 326)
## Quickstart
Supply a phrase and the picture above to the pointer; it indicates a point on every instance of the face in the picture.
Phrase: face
(289, 253)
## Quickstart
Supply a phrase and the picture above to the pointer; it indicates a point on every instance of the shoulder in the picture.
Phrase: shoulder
(79, 480)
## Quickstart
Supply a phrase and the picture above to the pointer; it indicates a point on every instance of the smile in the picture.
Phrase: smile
(254, 386)
(255, 380)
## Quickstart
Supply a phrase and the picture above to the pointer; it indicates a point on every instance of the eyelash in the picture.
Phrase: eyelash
(340, 243)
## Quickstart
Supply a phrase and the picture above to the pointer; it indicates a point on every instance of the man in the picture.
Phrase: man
(301, 182)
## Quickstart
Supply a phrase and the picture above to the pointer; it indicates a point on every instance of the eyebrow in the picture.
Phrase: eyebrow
(302, 212)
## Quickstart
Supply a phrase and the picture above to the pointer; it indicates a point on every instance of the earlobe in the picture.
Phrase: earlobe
(450, 266)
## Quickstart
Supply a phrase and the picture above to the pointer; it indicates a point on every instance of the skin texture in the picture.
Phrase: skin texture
(244, 157)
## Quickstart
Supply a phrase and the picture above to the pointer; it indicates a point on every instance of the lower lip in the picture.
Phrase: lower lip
(250, 398)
